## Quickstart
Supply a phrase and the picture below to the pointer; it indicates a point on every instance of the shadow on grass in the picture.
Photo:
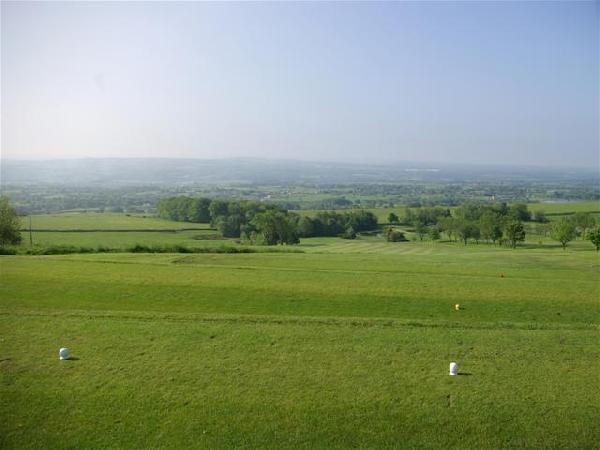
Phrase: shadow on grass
(464, 374)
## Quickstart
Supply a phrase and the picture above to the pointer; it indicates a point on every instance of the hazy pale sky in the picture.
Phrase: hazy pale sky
(506, 82)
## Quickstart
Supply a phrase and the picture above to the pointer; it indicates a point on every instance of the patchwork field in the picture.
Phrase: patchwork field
(311, 350)
(121, 231)
(551, 209)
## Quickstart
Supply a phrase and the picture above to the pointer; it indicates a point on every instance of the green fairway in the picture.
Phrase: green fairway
(183, 382)
(312, 350)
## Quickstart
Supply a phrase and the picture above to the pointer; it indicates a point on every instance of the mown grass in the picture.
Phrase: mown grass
(143, 382)
(344, 346)
(493, 286)
(378, 245)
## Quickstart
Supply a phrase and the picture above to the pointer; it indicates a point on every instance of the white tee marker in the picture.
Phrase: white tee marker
(453, 369)
(64, 353)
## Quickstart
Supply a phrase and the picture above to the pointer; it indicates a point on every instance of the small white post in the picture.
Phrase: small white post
(64, 353)
(453, 369)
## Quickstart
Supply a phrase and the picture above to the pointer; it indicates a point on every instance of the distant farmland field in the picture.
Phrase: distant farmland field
(549, 208)
(104, 221)
(118, 230)
(119, 239)
(566, 207)
(313, 350)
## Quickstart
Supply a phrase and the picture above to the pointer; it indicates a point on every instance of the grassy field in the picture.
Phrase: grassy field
(116, 239)
(116, 230)
(552, 209)
(566, 208)
(104, 221)
(206, 238)
(378, 245)
(313, 350)
(119, 231)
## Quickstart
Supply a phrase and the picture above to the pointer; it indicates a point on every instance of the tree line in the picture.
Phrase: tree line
(251, 221)
(264, 223)
(495, 223)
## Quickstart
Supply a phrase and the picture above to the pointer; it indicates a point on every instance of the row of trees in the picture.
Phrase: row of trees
(470, 221)
(569, 228)
(185, 209)
(270, 228)
(264, 223)
(251, 221)
(230, 217)
(257, 222)
(499, 223)
(331, 223)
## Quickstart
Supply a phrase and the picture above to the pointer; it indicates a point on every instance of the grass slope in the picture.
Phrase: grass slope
(302, 350)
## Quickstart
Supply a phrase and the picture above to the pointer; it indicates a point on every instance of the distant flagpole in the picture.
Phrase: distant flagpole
(30, 235)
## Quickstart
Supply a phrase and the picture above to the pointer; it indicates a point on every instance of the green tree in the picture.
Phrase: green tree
(276, 227)
(349, 233)
(198, 210)
(448, 225)
(217, 209)
(490, 226)
(583, 222)
(540, 216)
(519, 212)
(306, 227)
(434, 233)
(466, 230)
(514, 232)
(10, 224)
(393, 218)
(393, 235)
(229, 226)
(420, 229)
(469, 211)
(594, 236)
(409, 216)
(563, 231)
(360, 220)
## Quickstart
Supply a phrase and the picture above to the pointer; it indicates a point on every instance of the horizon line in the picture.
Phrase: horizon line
(350, 163)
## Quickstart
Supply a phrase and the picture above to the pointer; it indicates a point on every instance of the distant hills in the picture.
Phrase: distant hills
(167, 171)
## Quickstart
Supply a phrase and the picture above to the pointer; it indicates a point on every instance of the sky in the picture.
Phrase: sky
(463, 82)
